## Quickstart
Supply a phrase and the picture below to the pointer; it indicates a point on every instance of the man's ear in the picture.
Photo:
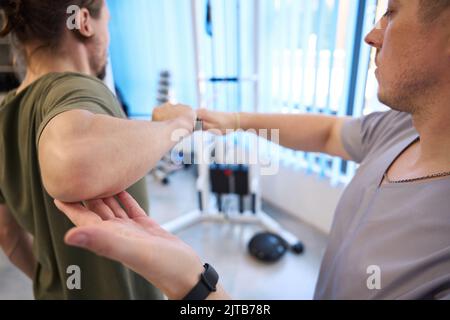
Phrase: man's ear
(86, 28)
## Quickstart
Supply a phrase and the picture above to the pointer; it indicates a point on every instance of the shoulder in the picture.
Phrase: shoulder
(383, 126)
(387, 123)
(6, 98)
(75, 89)
(74, 81)
(386, 129)
(375, 132)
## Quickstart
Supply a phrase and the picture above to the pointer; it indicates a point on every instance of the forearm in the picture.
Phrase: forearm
(19, 250)
(22, 257)
(220, 294)
(310, 133)
(105, 156)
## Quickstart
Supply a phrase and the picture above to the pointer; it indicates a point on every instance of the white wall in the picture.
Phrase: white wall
(307, 197)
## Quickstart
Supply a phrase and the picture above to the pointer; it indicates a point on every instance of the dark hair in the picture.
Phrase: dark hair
(41, 20)
(432, 9)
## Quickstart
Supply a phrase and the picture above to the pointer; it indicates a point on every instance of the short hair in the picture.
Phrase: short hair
(430, 10)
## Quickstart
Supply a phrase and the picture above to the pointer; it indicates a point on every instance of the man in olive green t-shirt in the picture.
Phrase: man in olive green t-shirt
(33, 207)
(64, 136)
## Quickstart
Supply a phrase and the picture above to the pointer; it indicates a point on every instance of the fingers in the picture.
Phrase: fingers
(78, 214)
(100, 208)
(215, 122)
(115, 208)
(203, 114)
(103, 209)
(131, 206)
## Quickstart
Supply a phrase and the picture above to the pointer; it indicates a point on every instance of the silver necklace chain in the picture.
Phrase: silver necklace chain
(431, 176)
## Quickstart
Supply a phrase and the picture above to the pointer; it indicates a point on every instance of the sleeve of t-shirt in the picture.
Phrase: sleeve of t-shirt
(77, 93)
(2, 199)
(361, 135)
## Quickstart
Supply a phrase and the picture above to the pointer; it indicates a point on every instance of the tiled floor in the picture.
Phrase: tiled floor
(222, 245)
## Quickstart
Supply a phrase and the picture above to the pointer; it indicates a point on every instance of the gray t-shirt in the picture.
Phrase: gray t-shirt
(389, 241)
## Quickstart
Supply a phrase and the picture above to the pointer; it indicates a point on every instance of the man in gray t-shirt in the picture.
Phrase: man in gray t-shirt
(388, 241)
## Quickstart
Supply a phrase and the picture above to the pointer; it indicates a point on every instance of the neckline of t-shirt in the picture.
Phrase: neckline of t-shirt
(382, 185)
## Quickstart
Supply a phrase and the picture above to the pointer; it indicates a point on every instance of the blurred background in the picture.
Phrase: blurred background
(283, 56)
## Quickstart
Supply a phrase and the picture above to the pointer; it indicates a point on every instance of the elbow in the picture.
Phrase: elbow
(67, 189)
(68, 179)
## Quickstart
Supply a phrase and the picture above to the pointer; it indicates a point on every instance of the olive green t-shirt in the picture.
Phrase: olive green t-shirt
(23, 117)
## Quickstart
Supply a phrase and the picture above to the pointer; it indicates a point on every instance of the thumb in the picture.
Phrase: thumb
(102, 242)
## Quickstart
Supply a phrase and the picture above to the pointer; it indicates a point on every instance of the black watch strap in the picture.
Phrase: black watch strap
(206, 285)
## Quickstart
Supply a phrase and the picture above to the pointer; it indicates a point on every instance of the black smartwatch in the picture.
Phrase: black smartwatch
(206, 285)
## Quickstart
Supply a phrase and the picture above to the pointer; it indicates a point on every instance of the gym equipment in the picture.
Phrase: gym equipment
(267, 247)
(164, 87)
(217, 179)
(165, 167)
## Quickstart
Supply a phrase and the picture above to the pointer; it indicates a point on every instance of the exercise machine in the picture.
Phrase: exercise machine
(165, 167)
(219, 177)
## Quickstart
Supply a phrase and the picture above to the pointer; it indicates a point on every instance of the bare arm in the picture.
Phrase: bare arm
(311, 133)
(16, 243)
(88, 156)
(129, 236)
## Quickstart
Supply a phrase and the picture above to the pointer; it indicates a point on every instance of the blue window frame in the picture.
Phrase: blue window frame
(289, 56)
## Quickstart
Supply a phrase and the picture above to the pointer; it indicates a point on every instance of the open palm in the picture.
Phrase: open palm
(126, 234)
